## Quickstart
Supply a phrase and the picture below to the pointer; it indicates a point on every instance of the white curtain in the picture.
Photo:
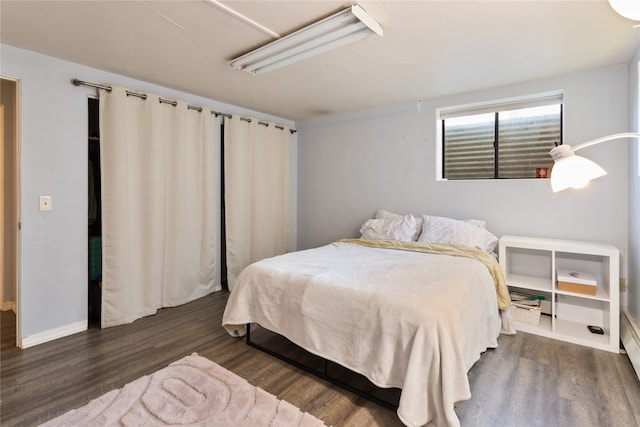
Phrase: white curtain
(159, 168)
(256, 171)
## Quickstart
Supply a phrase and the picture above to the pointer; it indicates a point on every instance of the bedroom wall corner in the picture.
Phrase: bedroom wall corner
(630, 331)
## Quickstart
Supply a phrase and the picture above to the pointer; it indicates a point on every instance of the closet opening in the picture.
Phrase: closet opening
(10, 212)
(94, 215)
(223, 224)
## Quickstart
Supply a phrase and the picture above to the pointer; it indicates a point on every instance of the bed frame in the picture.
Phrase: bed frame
(323, 373)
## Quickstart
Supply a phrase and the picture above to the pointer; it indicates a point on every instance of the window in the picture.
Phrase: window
(500, 140)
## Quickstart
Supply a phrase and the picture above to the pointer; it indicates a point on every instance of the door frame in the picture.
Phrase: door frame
(18, 195)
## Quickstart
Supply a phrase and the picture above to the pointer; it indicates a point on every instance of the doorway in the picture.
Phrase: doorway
(9, 204)
(94, 214)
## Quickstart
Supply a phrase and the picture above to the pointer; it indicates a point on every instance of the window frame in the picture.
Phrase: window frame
(494, 107)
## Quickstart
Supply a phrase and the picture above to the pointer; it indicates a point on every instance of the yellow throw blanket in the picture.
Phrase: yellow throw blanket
(502, 292)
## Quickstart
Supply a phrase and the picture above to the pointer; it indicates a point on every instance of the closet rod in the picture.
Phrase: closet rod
(78, 82)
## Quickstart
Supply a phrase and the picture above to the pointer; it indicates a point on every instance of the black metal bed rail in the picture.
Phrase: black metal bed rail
(324, 374)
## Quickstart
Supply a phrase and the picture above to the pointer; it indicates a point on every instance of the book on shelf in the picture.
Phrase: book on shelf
(523, 299)
(576, 281)
(576, 277)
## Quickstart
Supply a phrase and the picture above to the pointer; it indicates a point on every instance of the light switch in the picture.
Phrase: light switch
(46, 203)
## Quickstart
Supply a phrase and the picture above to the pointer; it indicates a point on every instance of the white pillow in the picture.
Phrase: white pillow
(401, 228)
(436, 229)
(477, 222)
(383, 214)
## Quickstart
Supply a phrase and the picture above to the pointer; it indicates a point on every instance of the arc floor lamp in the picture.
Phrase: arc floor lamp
(572, 171)
(569, 170)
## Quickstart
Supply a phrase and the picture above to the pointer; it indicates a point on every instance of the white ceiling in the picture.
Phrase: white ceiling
(429, 48)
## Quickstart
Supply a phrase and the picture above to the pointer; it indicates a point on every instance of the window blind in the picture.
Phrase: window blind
(538, 100)
(510, 143)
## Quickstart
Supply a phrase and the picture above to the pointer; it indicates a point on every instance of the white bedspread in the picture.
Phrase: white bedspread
(403, 319)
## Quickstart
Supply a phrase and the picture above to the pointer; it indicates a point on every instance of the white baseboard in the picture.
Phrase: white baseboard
(53, 334)
(8, 305)
(630, 336)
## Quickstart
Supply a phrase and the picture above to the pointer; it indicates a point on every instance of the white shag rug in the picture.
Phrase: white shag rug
(190, 391)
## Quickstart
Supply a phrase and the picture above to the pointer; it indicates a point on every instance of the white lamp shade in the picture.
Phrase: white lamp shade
(571, 171)
(574, 172)
(628, 8)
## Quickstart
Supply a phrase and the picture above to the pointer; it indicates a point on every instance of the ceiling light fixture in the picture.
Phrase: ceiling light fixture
(344, 27)
(571, 171)
(628, 8)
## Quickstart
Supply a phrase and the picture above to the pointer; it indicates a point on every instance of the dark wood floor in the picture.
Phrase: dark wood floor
(527, 381)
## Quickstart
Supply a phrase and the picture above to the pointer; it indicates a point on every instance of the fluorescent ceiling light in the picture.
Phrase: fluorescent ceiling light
(342, 28)
(571, 171)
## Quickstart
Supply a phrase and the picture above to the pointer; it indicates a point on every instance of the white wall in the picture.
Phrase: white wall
(352, 164)
(630, 331)
(53, 161)
(634, 196)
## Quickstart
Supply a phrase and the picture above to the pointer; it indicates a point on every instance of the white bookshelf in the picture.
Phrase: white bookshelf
(529, 265)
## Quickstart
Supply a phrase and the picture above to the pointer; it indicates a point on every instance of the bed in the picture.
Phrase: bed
(410, 314)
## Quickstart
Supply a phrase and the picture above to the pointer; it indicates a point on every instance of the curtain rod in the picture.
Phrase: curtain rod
(77, 82)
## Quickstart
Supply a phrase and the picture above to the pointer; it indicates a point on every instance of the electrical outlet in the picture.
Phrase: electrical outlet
(623, 284)
(46, 203)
